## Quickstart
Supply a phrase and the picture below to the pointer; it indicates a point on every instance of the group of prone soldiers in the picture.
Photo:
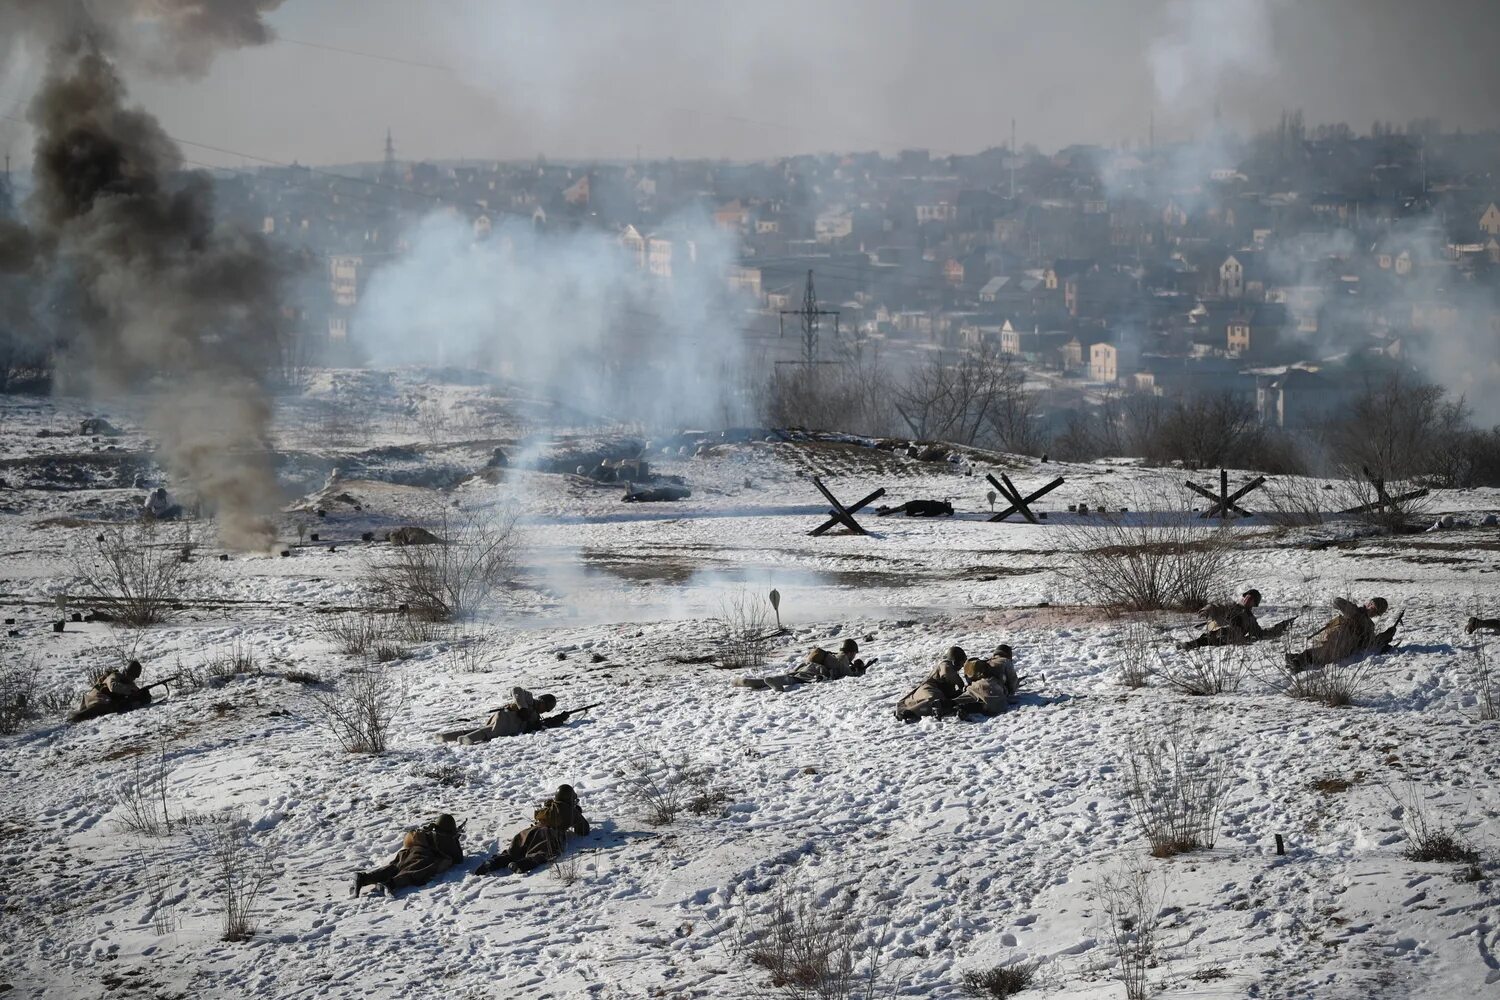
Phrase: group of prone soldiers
(962, 686)
(1352, 631)
(430, 850)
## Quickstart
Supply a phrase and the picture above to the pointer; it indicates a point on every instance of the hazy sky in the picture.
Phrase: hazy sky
(759, 78)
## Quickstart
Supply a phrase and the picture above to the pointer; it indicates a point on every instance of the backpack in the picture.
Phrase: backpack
(553, 815)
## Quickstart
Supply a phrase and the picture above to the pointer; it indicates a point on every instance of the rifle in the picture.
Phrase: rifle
(564, 716)
(163, 683)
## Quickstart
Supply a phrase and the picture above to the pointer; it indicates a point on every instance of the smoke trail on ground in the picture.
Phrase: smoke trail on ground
(129, 282)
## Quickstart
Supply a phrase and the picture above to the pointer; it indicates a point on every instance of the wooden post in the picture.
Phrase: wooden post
(1280, 847)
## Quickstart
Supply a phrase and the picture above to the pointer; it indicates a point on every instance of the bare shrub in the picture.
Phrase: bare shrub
(233, 662)
(303, 677)
(567, 869)
(389, 652)
(658, 787)
(1428, 837)
(136, 576)
(446, 775)
(1138, 655)
(661, 787)
(355, 633)
(1158, 556)
(359, 708)
(742, 629)
(1294, 502)
(1406, 512)
(810, 950)
(241, 871)
(433, 420)
(1204, 429)
(1337, 685)
(468, 657)
(455, 578)
(1483, 683)
(1207, 670)
(1175, 782)
(18, 694)
(1000, 981)
(415, 630)
(142, 798)
(1131, 902)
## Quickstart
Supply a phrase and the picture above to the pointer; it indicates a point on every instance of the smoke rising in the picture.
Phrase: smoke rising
(572, 311)
(132, 284)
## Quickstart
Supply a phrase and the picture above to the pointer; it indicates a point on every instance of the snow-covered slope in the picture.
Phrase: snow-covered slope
(958, 845)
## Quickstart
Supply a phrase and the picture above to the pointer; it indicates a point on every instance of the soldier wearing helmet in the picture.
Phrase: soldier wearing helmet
(1353, 631)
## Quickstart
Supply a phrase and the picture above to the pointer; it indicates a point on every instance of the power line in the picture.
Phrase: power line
(366, 55)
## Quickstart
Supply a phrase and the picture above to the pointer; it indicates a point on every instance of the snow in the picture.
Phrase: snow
(962, 845)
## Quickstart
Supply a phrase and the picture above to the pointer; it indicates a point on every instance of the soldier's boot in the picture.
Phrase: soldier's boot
(494, 863)
(360, 881)
(753, 683)
(1195, 643)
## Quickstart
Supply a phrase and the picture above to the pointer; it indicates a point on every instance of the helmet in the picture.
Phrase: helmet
(956, 655)
(133, 669)
(566, 796)
(547, 702)
(1004, 650)
(849, 646)
(1380, 605)
(445, 824)
(1254, 596)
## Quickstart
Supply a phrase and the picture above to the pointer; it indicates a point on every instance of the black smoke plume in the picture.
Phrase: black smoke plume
(131, 281)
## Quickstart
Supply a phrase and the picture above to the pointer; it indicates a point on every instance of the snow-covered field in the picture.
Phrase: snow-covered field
(960, 845)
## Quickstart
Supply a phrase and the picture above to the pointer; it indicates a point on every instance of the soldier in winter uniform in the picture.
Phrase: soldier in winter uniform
(524, 714)
(1351, 632)
(934, 696)
(116, 691)
(820, 665)
(1229, 624)
(426, 853)
(544, 839)
(992, 684)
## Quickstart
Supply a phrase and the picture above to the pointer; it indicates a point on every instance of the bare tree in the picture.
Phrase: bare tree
(963, 397)
(1396, 427)
(1206, 429)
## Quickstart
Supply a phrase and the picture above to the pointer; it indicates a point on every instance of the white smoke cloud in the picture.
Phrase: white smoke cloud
(1210, 43)
(569, 311)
